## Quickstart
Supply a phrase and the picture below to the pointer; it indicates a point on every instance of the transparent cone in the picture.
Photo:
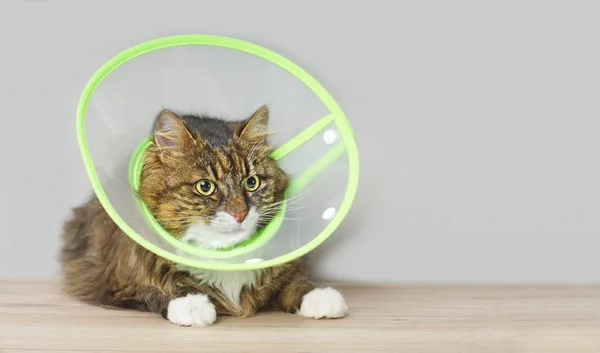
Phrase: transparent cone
(226, 78)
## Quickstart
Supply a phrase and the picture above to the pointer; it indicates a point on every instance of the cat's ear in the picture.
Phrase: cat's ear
(257, 127)
(170, 135)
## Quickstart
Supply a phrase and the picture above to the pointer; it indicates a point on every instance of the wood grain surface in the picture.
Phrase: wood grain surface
(38, 317)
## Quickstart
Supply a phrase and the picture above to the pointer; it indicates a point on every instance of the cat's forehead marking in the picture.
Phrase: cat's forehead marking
(211, 171)
(221, 165)
(240, 163)
(226, 164)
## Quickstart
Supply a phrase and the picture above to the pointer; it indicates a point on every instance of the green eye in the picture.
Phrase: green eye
(252, 183)
(206, 187)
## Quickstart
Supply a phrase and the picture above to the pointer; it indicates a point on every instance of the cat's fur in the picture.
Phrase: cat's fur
(101, 265)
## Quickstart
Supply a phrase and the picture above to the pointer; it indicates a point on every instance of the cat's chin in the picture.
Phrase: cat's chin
(222, 232)
(204, 237)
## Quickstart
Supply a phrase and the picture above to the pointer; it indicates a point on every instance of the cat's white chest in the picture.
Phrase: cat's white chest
(230, 283)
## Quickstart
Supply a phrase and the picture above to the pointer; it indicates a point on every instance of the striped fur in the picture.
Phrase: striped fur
(102, 266)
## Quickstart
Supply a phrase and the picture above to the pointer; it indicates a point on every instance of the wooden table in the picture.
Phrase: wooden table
(37, 317)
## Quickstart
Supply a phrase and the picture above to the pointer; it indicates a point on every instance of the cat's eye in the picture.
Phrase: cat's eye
(205, 187)
(252, 183)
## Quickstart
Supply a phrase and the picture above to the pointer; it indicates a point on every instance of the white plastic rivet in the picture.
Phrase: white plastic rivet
(253, 261)
(329, 137)
(329, 213)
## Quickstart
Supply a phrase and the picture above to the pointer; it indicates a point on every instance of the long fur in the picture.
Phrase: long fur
(103, 266)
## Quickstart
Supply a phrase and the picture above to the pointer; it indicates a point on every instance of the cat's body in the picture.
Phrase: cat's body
(212, 184)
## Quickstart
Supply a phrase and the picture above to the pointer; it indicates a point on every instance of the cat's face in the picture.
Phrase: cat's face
(209, 182)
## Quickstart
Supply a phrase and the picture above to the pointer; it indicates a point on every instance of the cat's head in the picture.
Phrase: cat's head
(210, 182)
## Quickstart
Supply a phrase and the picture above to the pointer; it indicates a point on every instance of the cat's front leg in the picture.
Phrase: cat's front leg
(182, 302)
(191, 310)
(301, 297)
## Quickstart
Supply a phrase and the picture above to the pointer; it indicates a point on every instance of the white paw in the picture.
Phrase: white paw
(323, 303)
(192, 310)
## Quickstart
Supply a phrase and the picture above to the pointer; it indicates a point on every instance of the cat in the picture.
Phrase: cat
(211, 183)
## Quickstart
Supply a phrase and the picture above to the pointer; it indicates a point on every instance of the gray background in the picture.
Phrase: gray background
(476, 123)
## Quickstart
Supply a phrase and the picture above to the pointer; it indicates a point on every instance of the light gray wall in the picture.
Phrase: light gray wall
(477, 124)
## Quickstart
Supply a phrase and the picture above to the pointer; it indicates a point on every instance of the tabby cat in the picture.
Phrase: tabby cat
(210, 183)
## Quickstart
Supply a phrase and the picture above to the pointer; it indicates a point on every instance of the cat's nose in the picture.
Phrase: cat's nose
(239, 216)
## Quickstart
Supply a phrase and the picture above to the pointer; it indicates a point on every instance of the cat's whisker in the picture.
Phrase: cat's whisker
(289, 209)
(272, 206)
(297, 196)
(277, 205)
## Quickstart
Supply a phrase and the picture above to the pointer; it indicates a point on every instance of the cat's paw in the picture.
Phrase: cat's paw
(192, 310)
(323, 303)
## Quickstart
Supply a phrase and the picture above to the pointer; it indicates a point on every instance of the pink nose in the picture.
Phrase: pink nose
(239, 216)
